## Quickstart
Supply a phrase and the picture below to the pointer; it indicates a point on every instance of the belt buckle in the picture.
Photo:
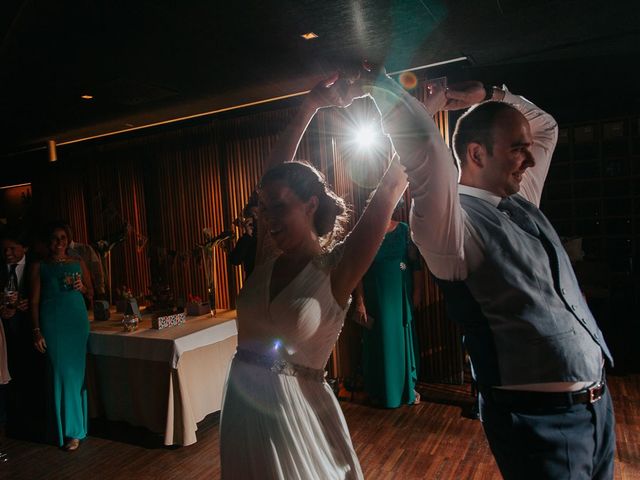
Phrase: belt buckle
(595, 393)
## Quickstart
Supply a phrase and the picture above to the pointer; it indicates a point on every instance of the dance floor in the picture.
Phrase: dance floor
(429, 441)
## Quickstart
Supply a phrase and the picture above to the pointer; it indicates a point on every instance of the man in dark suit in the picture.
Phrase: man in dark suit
(24, 410)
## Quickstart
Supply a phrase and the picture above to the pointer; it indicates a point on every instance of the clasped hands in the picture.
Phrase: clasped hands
(341, 88)
(13, 305)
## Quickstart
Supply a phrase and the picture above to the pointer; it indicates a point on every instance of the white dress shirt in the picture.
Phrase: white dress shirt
(19, 269)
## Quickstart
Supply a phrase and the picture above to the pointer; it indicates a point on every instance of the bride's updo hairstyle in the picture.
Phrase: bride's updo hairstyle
(306, 181)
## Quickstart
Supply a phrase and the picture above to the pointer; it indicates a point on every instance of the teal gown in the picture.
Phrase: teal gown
(389, 347)
(64, 324)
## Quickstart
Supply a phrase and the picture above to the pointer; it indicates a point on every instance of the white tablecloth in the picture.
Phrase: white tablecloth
(167, 345)
(164, 380)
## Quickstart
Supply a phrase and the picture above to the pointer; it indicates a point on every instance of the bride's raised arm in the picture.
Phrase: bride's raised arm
(363, 242)
(325, 94)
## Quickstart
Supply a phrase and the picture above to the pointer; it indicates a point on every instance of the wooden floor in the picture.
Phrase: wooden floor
(432, 440)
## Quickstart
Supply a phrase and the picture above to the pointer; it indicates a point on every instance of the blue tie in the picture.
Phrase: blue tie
(519, 216)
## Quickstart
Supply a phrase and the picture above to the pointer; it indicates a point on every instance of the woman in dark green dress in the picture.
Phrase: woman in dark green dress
(61, 331)
(384, 303)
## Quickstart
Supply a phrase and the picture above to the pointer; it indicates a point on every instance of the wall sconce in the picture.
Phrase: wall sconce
(51, 147)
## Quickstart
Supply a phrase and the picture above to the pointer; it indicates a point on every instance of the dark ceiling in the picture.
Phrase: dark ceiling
(146, 61)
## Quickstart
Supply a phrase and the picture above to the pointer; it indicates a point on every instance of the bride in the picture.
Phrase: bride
(280, 419)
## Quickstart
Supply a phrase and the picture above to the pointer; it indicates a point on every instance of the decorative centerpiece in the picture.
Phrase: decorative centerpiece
(160, 298)
(130, 323)
(103, 247)
(208, 252)
(161, 320)
(162, 304)
(196, 307)
(124, 295)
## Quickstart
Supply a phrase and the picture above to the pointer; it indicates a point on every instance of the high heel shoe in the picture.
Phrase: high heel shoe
(71, 445)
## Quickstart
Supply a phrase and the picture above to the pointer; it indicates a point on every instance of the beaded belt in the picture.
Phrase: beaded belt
(279, 366)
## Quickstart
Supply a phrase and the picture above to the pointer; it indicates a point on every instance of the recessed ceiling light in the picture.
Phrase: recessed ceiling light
(86, 96)
(309, 36)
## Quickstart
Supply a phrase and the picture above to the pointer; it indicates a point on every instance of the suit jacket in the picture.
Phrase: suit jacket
(20, 323)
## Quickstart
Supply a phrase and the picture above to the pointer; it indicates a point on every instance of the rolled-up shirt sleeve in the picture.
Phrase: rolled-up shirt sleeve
(437, 220)
(440, 228)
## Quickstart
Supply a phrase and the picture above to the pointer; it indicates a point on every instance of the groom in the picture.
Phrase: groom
(536, 350)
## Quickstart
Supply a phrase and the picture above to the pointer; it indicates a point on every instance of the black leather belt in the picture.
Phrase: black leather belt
(528, 399)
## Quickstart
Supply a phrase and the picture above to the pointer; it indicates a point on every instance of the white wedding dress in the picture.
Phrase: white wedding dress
(280, 419)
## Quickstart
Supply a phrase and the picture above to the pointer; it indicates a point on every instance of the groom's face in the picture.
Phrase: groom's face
(510, 156)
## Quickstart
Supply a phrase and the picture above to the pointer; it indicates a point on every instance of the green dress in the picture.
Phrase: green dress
(65, 327)
(389, 347)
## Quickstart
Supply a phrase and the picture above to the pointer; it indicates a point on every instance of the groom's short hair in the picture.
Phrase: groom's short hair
(476, 126)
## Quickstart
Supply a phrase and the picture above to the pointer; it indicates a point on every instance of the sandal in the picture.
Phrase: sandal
(71, 445)
(416, 401)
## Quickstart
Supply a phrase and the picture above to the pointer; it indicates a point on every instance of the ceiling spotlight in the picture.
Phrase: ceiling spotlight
(86, 96)
(309, 36)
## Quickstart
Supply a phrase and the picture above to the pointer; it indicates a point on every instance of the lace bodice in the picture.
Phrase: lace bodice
(301, 323)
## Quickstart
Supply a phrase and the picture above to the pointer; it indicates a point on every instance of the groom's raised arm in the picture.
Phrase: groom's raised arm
(437, 222)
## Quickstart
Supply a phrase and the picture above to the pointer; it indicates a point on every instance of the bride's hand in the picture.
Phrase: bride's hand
(330, 92)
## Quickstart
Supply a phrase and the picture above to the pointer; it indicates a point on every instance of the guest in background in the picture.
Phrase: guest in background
(245, 249)
(384, 302)
(5, 377)
(24, 408)
(61, 330)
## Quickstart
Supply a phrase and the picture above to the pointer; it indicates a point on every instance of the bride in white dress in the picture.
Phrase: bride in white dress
(280, 419)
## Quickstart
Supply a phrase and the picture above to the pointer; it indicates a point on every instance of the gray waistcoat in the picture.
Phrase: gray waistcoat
(539, 324)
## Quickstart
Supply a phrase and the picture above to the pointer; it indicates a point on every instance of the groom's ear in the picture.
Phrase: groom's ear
(476, 154)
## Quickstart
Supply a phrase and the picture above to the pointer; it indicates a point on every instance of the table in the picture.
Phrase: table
(165, 380)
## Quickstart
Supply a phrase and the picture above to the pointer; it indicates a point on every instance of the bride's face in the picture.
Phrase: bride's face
(289, 220)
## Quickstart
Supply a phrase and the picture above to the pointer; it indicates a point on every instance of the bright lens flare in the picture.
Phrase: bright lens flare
(365, 137)
(408, 80)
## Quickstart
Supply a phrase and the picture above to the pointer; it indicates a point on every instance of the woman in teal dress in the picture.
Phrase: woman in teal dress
(61, 331)
(384, 305)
